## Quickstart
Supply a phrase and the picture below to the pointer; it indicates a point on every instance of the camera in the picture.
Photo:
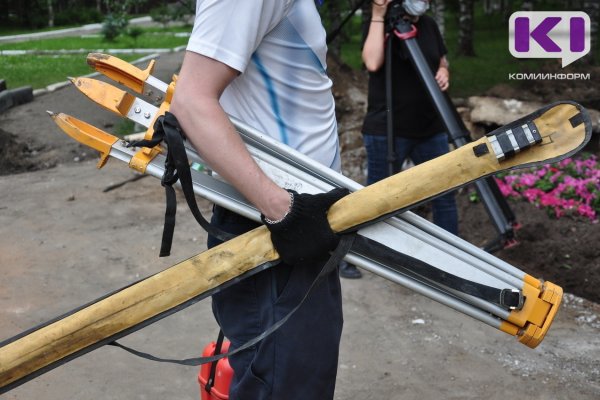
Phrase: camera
(395, 11)
(403, 8)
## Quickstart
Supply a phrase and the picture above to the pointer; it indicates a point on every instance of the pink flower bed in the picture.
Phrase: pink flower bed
(569, 187)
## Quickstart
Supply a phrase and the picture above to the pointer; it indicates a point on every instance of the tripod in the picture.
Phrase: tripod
(495, 204)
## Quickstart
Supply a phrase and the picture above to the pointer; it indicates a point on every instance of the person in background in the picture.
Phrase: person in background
(263, 62)
(419, 133)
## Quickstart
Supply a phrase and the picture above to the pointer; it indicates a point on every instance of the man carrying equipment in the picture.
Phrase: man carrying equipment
(263, 62)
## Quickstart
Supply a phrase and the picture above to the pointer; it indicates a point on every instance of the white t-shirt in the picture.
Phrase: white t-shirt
(283, 89)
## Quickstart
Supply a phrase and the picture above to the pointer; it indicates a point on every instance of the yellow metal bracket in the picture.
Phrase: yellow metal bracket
(86, 134)
(108, 96)
(142, 158)
(119, 101)
(121, 71)
(532, 322)
(545, 309)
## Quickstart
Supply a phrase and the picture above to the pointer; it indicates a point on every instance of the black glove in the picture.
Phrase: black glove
(304, 234)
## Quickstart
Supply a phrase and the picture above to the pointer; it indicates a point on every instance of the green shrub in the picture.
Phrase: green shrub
(77, 16)
(134, 32)
(181, 12)
(161, 15)
(37, 21)
(113, 26)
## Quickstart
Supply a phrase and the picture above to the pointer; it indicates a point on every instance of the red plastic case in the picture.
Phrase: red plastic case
(223, 374)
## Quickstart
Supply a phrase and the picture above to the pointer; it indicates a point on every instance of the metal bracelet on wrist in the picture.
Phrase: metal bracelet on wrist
(271, 222)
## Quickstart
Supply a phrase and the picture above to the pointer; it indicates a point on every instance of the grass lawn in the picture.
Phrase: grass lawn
(469, 75)
(41, 70)
(12, 30)
(492, 61)
(148, 40)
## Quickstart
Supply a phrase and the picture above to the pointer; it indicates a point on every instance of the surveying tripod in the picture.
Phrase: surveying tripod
(389, 241)
(397, 26)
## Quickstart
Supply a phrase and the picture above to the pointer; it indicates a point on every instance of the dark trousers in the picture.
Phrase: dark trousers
(444, 209)
(299, 360)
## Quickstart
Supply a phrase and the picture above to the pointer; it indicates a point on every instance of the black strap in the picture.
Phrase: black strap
(177, 167)
(213, 367)
(506, 298)
(337, 255)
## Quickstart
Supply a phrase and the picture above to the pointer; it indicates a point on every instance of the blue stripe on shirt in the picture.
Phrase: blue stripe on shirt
(273, 97)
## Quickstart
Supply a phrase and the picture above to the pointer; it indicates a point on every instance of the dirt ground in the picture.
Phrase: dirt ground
(65, 242)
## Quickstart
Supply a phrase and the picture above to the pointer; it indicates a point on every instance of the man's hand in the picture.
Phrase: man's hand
(442, 78)
(304, 234)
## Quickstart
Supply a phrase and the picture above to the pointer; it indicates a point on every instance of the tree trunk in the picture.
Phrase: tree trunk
(99, 5)
(4, 12)
(465, 28)
(492, 6)
(50, 14)
(507, 9)
(439, 8)
(592, 8)
(527, 6)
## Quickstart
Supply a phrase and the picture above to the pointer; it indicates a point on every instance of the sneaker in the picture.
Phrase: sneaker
(349, 271)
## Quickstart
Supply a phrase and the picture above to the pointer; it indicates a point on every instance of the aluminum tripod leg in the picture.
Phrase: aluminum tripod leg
(221, 193)
(309, 176)
(298, 160)
(259, 143)
(559, 130)
(458, 257)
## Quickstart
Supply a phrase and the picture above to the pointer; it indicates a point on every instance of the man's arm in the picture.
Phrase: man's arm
(442, 75)
(196, 105)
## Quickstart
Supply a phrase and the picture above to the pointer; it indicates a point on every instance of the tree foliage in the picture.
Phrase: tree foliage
(35, 14)
(466, 25)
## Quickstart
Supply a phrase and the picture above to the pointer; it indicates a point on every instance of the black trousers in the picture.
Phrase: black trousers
(299, 360)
